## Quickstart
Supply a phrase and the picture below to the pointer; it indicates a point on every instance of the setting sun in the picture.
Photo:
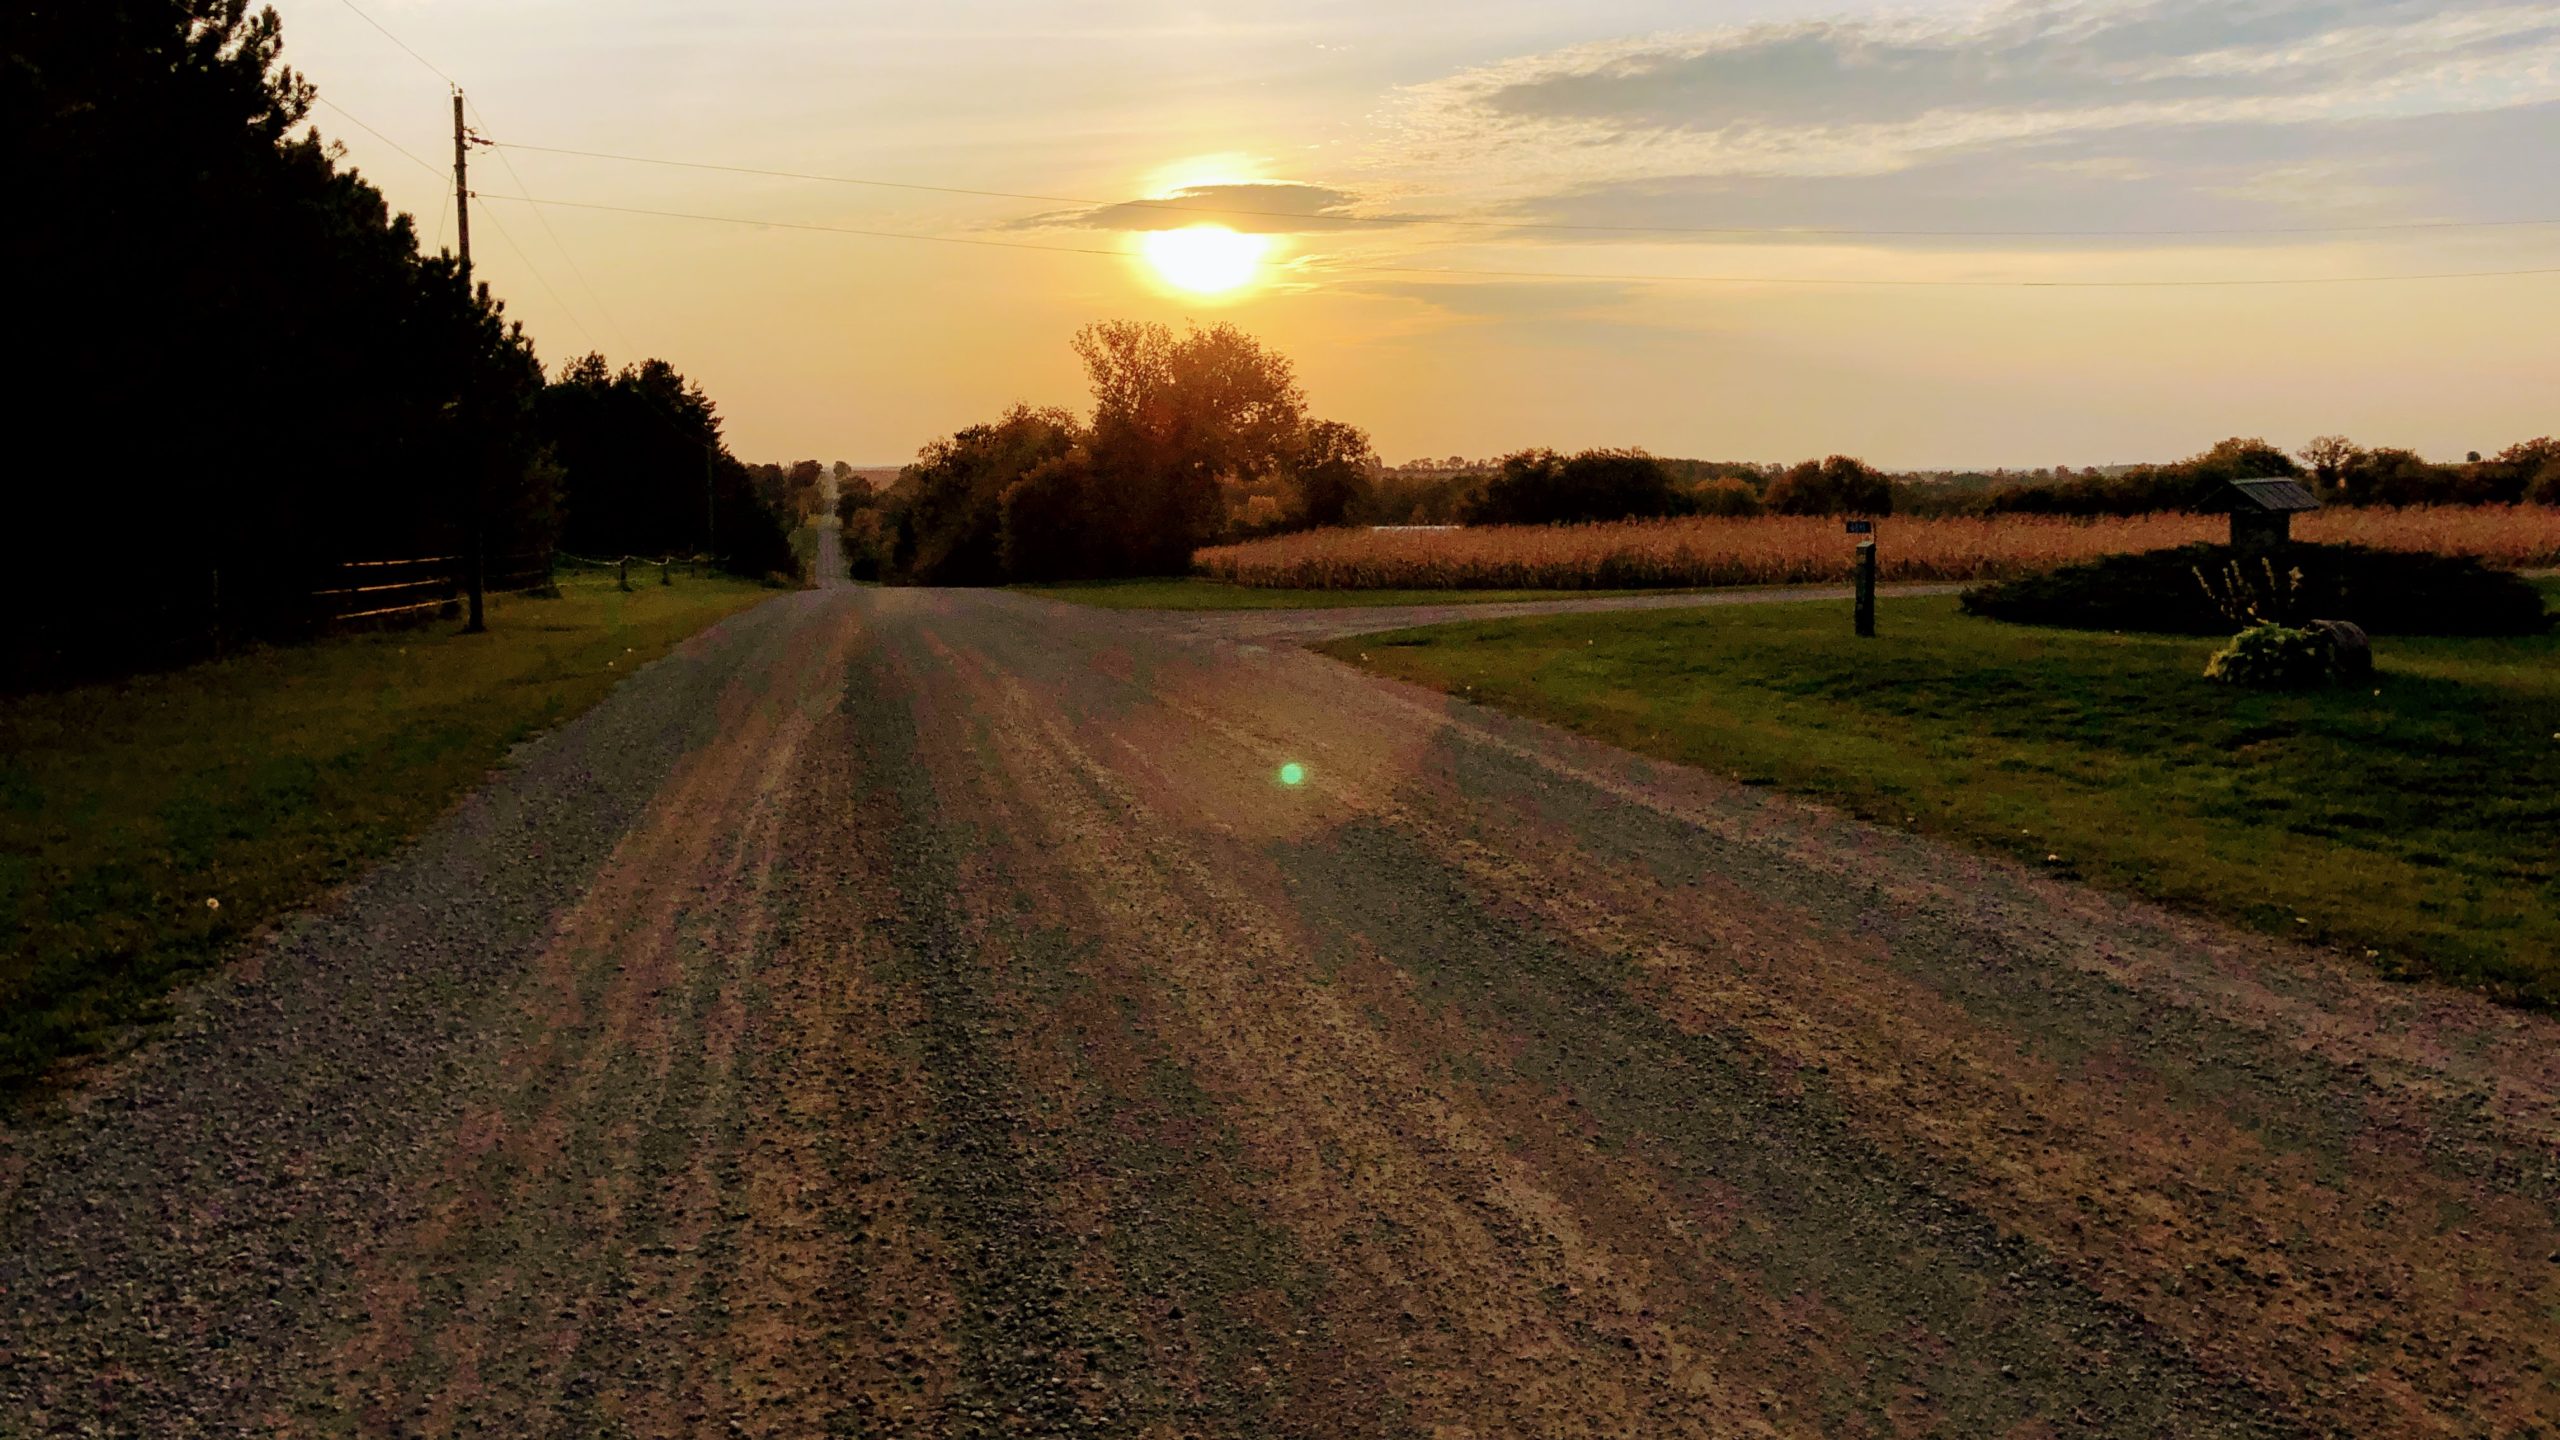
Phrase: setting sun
(1204, 259)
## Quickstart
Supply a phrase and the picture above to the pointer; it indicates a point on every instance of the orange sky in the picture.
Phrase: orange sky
(1405, 144)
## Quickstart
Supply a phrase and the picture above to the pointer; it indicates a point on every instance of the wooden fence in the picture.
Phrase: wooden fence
(390, 591)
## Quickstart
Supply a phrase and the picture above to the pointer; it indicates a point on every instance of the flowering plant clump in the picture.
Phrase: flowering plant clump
(2275, 657)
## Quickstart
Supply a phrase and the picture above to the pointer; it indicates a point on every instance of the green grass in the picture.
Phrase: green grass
(1176, 593)
(261, 780)
(2417, 819)
(804, 548)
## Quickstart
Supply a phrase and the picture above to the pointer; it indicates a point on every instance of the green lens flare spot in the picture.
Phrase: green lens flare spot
(1293, 773)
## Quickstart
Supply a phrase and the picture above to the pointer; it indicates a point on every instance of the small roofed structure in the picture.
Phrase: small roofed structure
(2262, 511)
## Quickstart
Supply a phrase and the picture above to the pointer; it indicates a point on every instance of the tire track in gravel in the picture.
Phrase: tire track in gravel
(923, 1014)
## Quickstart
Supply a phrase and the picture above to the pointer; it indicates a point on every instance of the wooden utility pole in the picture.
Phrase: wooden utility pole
(470, 450)
(462, 185)
(1863, 616)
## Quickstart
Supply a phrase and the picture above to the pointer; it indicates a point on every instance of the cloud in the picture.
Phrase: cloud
(2207, 179)
(1261, 207)
(1872, 96)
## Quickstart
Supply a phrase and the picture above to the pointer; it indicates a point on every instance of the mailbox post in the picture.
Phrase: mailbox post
(1864, 613)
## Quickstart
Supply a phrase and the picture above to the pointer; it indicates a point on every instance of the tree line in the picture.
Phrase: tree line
(1192, 438)
(240, 372)
(1205, 437)
(1541, 487)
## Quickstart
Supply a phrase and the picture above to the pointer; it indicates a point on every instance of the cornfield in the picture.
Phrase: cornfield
(1777, 550)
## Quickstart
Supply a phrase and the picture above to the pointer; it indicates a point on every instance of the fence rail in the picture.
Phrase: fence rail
(374, 589)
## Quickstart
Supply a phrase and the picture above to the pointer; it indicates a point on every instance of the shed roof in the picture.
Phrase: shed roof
(2277, 495)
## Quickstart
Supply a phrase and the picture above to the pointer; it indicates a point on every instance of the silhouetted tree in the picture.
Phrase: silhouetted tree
(2328, 456)
(948, 507)
(1331, 463)
(1839, 485)
(646, 472)
(1173, 416)
(288, 383)
(1540, 487)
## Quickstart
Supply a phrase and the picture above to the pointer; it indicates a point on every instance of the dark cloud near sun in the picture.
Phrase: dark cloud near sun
(1256, 207)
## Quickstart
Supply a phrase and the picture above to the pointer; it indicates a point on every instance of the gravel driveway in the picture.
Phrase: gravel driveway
(926, 1013)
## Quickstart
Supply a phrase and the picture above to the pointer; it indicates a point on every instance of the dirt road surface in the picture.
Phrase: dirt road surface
(913, 1013)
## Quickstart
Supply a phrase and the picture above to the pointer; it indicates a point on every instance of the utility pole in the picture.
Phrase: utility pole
(710, 502)
(474, 480)
(462, 185)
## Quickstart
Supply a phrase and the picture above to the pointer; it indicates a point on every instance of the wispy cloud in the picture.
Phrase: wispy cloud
(1869, 97)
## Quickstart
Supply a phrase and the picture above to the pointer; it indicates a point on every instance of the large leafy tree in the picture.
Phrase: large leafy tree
(1836, 485)
(1173, 416)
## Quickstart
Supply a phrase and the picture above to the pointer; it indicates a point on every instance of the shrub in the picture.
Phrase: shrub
(2273, 657)
(1040, 532)
(1725, 499)
(1837, 486)
(1541, 487)
(2388, 592)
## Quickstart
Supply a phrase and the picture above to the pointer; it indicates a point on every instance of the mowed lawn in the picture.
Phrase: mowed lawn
(147, 824)
(1197, 594)
(2415, 821)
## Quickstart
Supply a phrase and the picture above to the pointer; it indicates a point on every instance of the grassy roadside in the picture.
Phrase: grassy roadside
(2417, 821)
(127, 808)
(1178, 593)
(804, 548)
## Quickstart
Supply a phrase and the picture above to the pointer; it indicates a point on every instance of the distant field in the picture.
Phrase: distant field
(147, 824)
(1779, 550)
(1199, 594)
(2417, 820)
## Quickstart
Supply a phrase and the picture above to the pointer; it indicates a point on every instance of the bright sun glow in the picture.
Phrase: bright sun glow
(1203, 259)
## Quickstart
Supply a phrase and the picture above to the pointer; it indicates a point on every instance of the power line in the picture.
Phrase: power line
(447, 178)
(539, 278)
(802, 225)
(575, 269)
(520, 253)
(1187, 208)
(403, 44)
(1455, 272)
(437, 171)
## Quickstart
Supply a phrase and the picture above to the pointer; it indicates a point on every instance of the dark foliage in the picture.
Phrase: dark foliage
(644, 471)
(1836, 486)
(1728, 499)
(285, 384)
(2338, 470)
(1045, 528)
(1184, 427)
(2200, 483)
(1421, 497)
(2388, 592)
(1331, 462)
(1541, 487)
(947, 509)
(862, 515)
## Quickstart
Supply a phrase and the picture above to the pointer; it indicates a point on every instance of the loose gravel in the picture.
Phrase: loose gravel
(907, 1013)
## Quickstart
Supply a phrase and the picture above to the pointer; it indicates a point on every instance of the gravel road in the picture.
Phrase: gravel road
(924, 1013)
